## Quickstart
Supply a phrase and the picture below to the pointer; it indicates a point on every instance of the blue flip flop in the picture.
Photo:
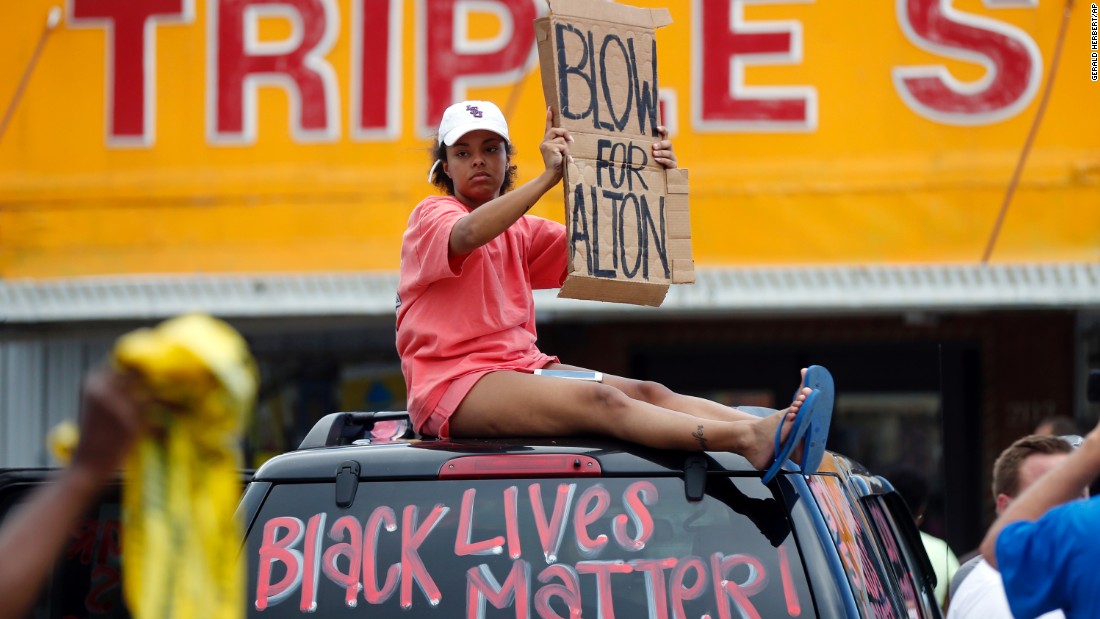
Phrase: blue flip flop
(813, 449)
(811, 424)
(798, 430)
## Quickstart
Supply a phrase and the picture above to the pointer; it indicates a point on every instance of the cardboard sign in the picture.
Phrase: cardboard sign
(627, 216)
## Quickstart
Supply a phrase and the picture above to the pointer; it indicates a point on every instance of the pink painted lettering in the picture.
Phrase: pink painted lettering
(790, 593)
(311, 553)
(347, 528)
(635, 499)
(381, 516)
(587, 515)
(681, 592)
(568, 590)
(603, 571)
(656, 587)
(552, 532)
(482, 587)
(412, 566)
(720, 568)
(279, 538)
(463, 545)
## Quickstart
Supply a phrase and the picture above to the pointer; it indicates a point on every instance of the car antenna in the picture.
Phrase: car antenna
(942, 472)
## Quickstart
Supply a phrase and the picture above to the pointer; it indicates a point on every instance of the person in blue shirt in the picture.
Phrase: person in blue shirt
(1045, 544)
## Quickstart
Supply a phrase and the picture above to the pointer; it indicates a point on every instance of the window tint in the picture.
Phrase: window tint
(627, 548)
(849, 529)
(895, 559)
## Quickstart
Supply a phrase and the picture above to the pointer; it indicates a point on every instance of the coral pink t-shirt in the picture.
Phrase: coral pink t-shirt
(458, 319)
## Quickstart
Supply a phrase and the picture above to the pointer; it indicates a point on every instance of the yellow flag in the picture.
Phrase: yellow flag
(180, 539)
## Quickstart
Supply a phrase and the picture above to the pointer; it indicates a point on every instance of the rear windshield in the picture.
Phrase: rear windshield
(607, 547)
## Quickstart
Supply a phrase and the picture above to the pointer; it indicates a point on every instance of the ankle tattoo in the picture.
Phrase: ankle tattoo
(698, 435)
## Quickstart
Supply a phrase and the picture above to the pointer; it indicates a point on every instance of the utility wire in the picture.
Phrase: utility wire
(1011, 191)
(52, 20)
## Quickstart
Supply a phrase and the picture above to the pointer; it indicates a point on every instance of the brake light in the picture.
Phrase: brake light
(531, 465)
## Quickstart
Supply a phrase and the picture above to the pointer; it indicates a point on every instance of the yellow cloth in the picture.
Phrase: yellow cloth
(180, 537)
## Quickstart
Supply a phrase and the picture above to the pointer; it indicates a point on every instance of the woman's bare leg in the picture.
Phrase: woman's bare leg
(519, 404)
(659, 395)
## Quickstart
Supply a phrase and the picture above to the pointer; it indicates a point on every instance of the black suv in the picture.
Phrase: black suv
(365, 519)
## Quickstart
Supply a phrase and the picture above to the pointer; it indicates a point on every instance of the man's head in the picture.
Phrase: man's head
(1058, 425)
(1023, 462)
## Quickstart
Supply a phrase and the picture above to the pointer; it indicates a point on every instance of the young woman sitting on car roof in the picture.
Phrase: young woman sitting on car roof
(466, 318)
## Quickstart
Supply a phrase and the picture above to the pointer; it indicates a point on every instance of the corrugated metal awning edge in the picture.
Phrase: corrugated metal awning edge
(786, 289)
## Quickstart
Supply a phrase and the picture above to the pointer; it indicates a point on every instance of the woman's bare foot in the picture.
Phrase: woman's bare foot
(796, 455)
(759, 447)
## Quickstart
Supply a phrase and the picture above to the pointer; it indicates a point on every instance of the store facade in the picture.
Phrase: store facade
(258, 161)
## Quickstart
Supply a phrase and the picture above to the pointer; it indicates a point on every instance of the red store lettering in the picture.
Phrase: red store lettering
(238, 63)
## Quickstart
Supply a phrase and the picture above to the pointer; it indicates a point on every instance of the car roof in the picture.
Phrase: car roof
(342, 437)
(426, 458)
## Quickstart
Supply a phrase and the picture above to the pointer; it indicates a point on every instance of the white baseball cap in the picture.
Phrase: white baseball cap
(462, 118)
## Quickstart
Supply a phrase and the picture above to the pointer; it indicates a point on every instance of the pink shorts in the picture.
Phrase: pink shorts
(438, 422)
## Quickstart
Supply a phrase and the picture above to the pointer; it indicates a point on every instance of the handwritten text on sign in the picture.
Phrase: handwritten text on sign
(629, 239)
(619, 201)
(608, 90)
